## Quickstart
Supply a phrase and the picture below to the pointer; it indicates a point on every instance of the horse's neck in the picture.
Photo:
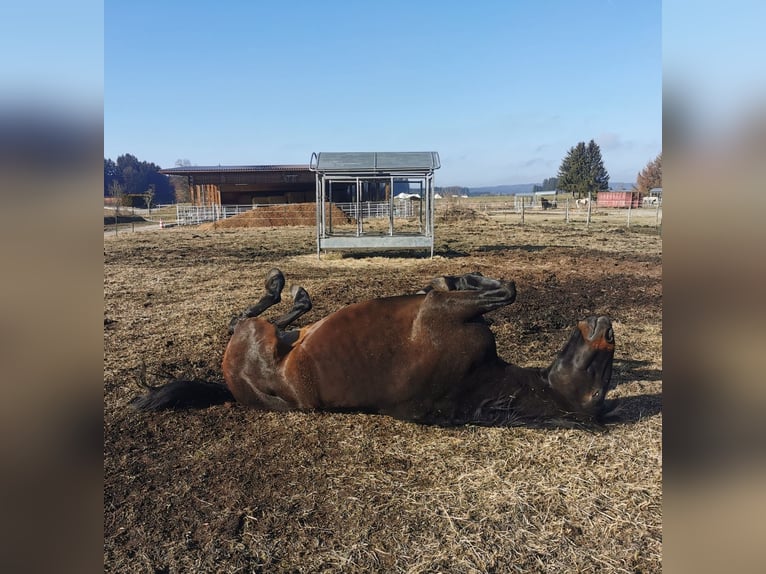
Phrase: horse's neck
(506, 393)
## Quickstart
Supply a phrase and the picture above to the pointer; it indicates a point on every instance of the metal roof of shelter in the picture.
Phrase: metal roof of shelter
(371, 162)
(193, 169)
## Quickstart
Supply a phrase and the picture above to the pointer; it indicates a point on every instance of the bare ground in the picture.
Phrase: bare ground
(228, 489)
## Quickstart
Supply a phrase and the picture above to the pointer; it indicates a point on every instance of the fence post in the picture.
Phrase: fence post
(522, 211)
(630, 205)
(657, 215)
(566, 216)
(587, 219)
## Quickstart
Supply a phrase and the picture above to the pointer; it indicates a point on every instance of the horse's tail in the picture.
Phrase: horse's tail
(182, 395)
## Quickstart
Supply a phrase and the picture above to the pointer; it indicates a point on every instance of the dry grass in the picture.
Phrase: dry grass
(228, 489)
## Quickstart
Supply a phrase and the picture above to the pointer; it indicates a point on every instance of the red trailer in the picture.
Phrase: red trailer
(618, 199)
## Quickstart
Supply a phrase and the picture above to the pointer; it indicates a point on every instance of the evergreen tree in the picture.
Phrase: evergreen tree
(582, 170)
(111, 173)
(135, 177)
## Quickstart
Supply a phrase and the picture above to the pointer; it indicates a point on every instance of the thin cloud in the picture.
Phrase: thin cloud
(613, 142)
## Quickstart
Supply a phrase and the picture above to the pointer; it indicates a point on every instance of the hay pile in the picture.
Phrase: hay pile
(276, 216)
(454, 212)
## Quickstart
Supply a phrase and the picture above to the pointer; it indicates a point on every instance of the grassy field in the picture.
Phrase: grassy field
(228, 489)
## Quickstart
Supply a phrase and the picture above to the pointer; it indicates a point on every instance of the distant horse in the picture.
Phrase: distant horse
(428, 357)
(582, 202)
(651, 200)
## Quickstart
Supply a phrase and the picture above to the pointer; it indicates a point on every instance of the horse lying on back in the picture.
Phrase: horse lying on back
(429, 358)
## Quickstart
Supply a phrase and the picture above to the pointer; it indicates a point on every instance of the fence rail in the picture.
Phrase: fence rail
(375, 209)
(569, 211)
(195, 214)
(512, 210)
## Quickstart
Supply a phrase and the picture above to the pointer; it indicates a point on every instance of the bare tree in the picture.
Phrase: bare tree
(116, 192)
(149, 197)
(651, 176)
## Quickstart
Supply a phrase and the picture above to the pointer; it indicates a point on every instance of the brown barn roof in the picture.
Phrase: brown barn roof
(197, 169)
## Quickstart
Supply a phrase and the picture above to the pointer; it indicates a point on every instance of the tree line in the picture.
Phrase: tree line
(582, 172)
(130, 180)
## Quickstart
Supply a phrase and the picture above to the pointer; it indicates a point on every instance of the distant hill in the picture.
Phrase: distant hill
(513, 189)
(518, 188)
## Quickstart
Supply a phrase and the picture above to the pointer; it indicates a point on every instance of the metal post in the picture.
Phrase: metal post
(522, 210)
(566, 216)
(391, 205)
(587, 221)
(657, 215)
(358, 207)
(319, 210)
(630, 205)
(429, 181)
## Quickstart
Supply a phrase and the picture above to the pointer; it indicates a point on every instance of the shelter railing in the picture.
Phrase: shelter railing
(375, 209)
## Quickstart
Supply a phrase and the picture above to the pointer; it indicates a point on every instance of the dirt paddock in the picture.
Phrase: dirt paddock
(228, 489)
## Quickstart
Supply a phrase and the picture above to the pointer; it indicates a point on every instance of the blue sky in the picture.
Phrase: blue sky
(500, 89)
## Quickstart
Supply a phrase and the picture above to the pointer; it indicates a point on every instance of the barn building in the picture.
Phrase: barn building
(247, 184)
(386, 199)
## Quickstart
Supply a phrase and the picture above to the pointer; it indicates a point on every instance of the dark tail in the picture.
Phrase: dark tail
(182, 395)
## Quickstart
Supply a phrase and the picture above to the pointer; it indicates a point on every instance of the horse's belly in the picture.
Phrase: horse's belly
(382, 357)
(349, 377)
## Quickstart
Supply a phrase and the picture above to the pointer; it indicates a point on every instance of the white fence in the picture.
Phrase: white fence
(522, 211)
(512, 210)
(195, 214)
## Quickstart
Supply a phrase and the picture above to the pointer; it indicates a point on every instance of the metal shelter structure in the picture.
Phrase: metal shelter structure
(375, 200)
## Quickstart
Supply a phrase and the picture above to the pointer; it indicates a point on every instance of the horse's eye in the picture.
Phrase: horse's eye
(596, 394)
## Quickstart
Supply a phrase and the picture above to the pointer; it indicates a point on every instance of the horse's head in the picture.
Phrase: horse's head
(582, 370)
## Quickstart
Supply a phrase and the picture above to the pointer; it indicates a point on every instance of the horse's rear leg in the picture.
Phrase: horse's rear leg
(275, 282)
(301, 305)
(472, 294)
(469, 282)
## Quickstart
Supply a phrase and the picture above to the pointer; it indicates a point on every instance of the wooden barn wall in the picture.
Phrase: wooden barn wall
(265, 188)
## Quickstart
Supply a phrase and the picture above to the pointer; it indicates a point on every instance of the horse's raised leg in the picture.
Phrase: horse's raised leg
(455, 283)
(470, 295)
(275, 282)
(301, 305)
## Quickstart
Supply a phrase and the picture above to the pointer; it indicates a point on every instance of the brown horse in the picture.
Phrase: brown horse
(428, 358)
